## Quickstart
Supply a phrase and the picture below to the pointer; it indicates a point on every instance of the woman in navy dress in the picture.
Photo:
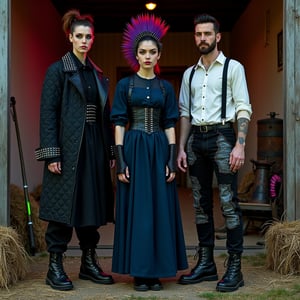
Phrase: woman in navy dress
(148, 242)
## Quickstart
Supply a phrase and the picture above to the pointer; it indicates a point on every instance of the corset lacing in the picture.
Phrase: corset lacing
(146, 119)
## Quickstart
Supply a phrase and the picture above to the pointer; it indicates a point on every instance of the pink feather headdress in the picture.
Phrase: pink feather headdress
(141, 26)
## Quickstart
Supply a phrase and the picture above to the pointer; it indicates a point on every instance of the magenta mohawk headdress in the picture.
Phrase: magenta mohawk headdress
(140, 27)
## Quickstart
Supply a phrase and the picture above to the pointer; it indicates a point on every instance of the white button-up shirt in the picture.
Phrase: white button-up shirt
(206, 93)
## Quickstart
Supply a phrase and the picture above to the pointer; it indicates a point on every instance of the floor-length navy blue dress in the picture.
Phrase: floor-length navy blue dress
(148, 240)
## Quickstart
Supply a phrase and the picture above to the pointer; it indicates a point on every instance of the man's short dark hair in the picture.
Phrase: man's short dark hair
(206, 18)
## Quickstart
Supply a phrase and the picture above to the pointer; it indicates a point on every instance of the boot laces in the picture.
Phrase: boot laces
(58, 267)
(232, 265)
(197, 252)
(94, 261)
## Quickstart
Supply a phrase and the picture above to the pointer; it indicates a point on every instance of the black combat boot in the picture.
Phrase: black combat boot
(140, 284)
(233, 277)
(90, 270)
(154, 284)
(205, 269)
(56, 276)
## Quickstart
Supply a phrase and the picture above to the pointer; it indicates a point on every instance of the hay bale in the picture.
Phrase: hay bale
(13, 257)
(282, 241)
(36, 193)
(18, 219)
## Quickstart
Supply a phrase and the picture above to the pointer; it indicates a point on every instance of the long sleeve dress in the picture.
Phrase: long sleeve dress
(148, 240)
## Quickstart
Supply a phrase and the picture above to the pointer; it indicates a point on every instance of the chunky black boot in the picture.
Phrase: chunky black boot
(154, 284)
(233, 277)
(141, 284)
(205, 269)
(90, 270)
(56, 276)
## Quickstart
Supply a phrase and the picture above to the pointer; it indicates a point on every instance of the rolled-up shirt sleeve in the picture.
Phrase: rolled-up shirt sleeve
(240, 93)
(184, 94)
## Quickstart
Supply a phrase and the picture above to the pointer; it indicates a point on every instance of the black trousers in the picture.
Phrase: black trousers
(207, 153)
(59, 235)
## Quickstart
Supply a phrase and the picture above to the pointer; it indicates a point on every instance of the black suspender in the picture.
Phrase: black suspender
(190, 91)
(131, 85)
(224, 90)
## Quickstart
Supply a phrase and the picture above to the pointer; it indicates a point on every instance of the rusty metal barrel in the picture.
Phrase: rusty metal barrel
(270, 141)
(261, 182)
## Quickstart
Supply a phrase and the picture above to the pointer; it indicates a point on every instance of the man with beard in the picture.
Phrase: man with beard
(208, 143)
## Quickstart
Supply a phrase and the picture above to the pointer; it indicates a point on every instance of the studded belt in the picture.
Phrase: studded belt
(91, 113)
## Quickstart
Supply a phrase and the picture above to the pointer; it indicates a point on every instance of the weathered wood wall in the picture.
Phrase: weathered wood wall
(4, 108)
(291, 51)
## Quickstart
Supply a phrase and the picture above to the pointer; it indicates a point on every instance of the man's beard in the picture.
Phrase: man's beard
(208, 49)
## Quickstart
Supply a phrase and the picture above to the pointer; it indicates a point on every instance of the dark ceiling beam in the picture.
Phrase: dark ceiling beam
(112, 15)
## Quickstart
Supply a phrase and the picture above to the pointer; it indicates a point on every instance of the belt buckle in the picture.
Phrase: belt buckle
(203, 128)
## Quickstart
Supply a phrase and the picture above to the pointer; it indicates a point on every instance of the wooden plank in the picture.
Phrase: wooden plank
(291, 69)
(297, 112)
(4, 108)
(255, 206)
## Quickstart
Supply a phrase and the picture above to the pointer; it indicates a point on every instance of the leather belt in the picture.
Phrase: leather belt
(207, 128)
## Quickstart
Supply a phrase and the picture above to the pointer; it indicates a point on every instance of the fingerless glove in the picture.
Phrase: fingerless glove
(121, 164)
(172, 158)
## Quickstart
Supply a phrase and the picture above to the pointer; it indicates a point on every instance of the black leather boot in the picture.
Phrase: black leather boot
(233, 277)
(141, 284)
(90, 270)
(205, 269)
(154, 284)
(56, 276)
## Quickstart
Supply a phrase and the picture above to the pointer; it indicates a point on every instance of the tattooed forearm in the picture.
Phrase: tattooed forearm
(242, 125)
(241, 140)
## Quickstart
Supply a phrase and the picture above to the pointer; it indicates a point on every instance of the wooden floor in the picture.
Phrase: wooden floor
(253, 238)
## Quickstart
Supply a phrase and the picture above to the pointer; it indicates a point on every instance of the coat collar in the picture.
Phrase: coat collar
(70, 64)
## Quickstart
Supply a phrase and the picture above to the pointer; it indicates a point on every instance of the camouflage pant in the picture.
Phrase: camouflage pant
(209, 153)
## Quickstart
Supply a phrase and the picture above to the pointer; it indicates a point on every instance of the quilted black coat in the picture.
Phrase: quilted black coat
(60, 138)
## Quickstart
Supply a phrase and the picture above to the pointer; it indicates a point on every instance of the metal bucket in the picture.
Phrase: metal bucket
(261, 182)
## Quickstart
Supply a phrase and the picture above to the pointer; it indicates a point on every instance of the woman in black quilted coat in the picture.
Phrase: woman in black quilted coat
(75, 141)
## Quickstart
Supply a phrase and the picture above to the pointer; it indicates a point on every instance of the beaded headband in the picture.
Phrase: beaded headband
(144, 25)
